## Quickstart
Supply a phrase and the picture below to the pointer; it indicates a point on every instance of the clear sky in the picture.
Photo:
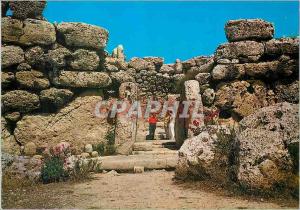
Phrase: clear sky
(172, 29)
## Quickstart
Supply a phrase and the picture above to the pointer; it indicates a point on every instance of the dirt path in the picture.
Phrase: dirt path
(154, 189)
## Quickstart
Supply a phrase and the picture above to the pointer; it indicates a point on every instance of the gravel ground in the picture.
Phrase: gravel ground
(153, 189)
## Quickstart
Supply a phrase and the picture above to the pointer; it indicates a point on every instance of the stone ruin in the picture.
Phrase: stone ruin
(54, 74)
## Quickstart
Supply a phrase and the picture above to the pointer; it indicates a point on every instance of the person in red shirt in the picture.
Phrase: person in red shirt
(152, 126)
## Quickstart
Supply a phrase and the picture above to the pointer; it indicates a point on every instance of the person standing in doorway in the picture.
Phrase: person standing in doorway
(152, 126)
(166, 124)
(172, 126)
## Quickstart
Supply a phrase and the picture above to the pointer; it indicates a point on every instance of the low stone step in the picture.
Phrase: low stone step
(127, 163)
(142, 146)
(169, 146)
(163, 151)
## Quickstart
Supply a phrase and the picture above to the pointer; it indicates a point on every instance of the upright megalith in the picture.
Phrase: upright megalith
(249, 29)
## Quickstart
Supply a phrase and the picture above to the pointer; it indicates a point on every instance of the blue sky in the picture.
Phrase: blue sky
(172, 29)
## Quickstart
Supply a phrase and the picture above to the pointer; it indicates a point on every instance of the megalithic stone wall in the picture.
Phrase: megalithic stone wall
(46, 67)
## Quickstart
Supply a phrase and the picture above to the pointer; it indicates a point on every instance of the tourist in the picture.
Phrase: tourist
(166, 124)
(172, 126)
(152, 126)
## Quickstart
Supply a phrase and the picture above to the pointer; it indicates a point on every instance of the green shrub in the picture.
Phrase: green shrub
(100, 148)
(53, 170)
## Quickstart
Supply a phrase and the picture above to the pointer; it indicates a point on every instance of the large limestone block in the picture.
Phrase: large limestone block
(11, 55)
(268, 147)
(263, 159)
(227, 72)
(27, 9)
(82, 35)
(241, 97)
(245, 51)
(81, 79)
(205, 155)
(140, 64)
(281, 117)
(248, 29)
(20, 100)
(33, 80)
(84, 60)
(76, 124)
(282, 46)
(58, 57)
(34, 56)
(55, 97)
(29, 32)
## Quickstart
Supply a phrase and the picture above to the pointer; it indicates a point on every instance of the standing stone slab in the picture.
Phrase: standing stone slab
(29, 32)
(81, 79)
(20, 100)
(126, 128)
(11, 55)
(82, 35)
(249, 29)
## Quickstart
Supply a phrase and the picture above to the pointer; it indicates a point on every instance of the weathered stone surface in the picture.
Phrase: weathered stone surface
(27, 9)
(128, 90)
(34, 56)
(121, 77)
(157, 61)
(88, 148)
(124, 134)
(58, 57)
(203, 156)
(245, 51)
(142, 146)
(30, 149)
(81, 79)
(248, 29)
(287, 91)
(34, 80)
(203, 78)
(55, 97)
(8, 142)
(23, 67)
(227, 72)
(20, 100)
(140, 64)
(7, 79)
(266, 145)
(208, 97)
(75, 124)
(242, 97)
(115, 64)
(282, 46)
(29, 32)
(11, 55)
(167, 68)
(264, 69)
(82, 35)
(84, 60)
